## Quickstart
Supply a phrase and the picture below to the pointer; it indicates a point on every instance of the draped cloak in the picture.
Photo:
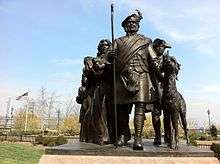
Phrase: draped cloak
(132, 72)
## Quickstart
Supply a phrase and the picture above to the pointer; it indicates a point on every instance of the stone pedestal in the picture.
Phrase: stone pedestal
(68, 159)
(86, 153)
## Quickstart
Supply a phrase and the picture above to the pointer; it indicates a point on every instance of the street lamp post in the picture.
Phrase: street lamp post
(208, 111)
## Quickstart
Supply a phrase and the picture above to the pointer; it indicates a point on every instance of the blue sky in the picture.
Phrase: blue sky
(42, 43)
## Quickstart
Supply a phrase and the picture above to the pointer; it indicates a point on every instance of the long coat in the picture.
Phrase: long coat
(132, 72)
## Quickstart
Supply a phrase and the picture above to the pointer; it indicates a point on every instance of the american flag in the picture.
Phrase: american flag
(23, 95)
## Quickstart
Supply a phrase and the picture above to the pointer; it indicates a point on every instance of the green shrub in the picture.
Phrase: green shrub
(60, 140)
(13, 138)
(52, 133)
(50, 141)
(70, 126)
(202, 137)
(213, 131)
(39, 139)
(192, 137)
(216, 148)
(22, 132)
(199, 136)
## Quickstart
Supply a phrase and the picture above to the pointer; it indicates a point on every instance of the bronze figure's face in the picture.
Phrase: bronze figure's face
(103, 46)
(160, 49)
(131, 26)
(131, 23)
(160, 46)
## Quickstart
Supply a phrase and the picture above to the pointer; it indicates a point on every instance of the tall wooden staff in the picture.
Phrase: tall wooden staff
(114, 76)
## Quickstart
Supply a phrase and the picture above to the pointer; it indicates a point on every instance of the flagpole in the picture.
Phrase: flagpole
(26, 108)
(26, 115)
(114, 78)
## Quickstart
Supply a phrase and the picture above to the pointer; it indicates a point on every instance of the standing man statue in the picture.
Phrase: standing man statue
(132, 79)
(157, 49)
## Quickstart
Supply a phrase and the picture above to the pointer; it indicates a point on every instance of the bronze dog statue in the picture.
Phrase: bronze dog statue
(173, 102)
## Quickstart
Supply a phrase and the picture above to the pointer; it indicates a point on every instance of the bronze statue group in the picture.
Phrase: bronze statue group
(145, 76)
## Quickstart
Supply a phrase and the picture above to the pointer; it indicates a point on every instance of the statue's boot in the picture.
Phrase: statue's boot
(121, 141)
(124, 134)
(138, 144)
(127, 134)
(138, 126)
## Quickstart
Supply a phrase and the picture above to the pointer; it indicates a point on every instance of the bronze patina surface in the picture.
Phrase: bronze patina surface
(132, 71)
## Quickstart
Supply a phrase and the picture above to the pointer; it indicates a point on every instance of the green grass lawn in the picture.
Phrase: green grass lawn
(14, 153)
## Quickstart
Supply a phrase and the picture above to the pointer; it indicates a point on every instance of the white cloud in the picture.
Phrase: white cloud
(194, 22)
(211, 89)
